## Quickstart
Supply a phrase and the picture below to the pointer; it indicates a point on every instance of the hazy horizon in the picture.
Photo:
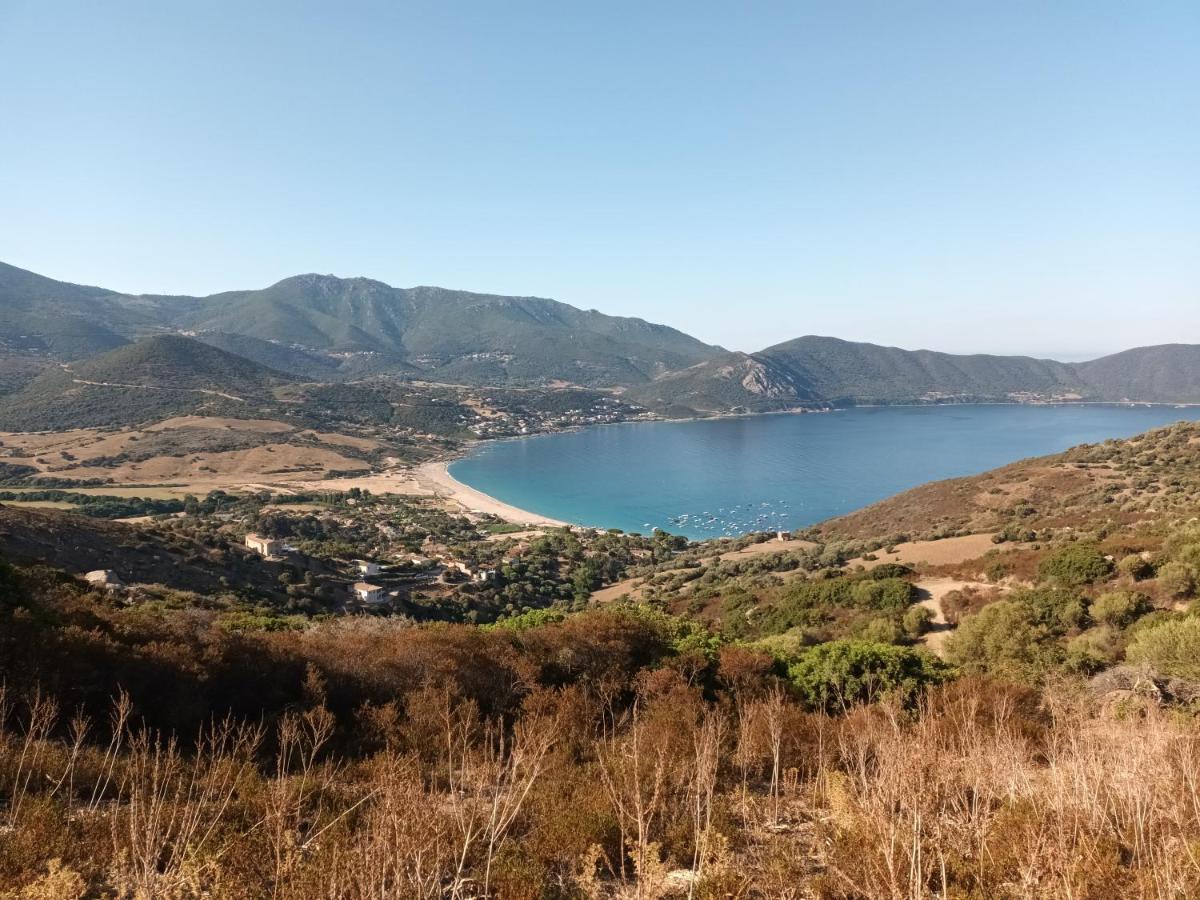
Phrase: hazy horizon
(1003, 179)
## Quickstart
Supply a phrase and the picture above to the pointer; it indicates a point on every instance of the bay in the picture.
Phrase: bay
(729, 476)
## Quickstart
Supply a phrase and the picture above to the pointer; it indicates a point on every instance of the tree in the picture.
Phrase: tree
(1177, 579)
(1076, 565)
(916, 621)
(1171, 647)
(1119, 608)
(843, 673)
(1133, 566)
(1002, 639)
(884, 594)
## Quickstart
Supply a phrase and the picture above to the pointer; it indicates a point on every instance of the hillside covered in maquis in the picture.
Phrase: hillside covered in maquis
(765, 719)
(324, 328)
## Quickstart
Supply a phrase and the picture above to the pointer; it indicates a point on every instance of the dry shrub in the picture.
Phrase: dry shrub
(985, 790)
(967, 600)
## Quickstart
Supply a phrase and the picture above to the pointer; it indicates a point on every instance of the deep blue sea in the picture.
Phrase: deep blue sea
(728, 476)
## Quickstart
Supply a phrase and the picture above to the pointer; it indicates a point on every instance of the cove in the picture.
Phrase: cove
(729, 476)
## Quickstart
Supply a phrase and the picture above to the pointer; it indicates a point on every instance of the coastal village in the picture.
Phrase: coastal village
(352, 552)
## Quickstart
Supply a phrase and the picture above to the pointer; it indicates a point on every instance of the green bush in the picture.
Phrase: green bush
(1177, 579)
(880, 630)
(803, 604)
(888, 570)
(916, 621)
(883, 594)
(1092, 651)
(1171, 647)
(839, 674)
(524, 621)
(996, 571)
(1076, 565)
(787, 646)
(1174, 546)
(1057, 610)
(1005, 639)
(1119, 608)
(1189, 555)
(1133, 566)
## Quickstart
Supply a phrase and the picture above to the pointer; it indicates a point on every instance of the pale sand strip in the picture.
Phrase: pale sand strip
(438, 475)
(432, 479)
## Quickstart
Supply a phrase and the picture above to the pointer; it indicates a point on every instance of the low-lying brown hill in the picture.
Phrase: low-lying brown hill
(1119, 481)
(78, 544)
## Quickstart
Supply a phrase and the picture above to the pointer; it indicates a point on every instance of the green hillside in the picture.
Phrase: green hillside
(174, 361)
(68, 321)
(324, 328)
(843, 371)
(455, 335)
(835, 372)
(733, 382)
(372, 327)
(155, 378)
(1169, 373)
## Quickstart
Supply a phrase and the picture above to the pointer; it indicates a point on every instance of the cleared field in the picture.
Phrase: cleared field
(771, 546)
(947, 551)
(39, 504)
(150, 492)
(265, 426)
(264, 463)
(201, 452)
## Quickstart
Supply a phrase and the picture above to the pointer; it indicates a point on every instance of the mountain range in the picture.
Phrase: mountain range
(326, 326)
(321, 328)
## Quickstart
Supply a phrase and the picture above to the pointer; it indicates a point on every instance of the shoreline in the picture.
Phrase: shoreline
(433, 480)
(445, 486)
(436, 475)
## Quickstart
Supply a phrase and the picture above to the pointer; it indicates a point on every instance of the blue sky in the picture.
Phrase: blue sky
(967, 176)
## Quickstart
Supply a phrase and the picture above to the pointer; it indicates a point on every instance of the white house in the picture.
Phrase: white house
(369, 593)
(104, 578)
(366, 567)
(264, 546)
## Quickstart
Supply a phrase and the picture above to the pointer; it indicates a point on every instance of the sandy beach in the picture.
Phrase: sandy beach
(433, 479)
(436, 475)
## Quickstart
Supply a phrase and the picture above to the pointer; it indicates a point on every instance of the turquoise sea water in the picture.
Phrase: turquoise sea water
(729, 476)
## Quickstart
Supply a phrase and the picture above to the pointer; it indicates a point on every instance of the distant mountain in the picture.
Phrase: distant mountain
(1169, 373)
(158, 377)
(323, 328)
(731, 382)
(844, 371)
(68, 321)
(319, 325)
(814, 370)
(453, 335)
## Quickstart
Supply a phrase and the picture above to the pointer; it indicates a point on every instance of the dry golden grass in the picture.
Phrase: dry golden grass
(986, 791)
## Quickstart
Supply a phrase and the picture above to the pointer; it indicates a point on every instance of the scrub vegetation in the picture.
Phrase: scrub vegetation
(757, 719)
